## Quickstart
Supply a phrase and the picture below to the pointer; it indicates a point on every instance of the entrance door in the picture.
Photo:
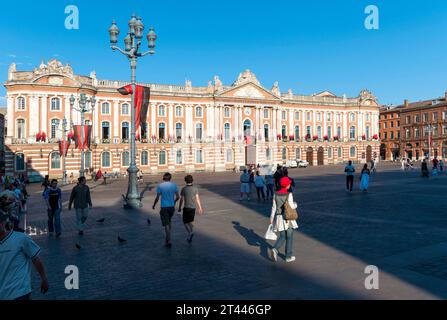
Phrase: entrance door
(368, 154)
(320, 156)
(310, 156)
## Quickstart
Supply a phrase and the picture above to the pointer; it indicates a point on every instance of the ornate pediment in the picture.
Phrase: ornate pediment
(366, 98)
(248, 90)
(53, 67)
(245, 77)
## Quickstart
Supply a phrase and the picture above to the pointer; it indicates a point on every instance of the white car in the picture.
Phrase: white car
(291, 164)
(302, 163)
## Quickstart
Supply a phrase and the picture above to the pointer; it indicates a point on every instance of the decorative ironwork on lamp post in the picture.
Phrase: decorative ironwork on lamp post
(83, 108)
(132, 43)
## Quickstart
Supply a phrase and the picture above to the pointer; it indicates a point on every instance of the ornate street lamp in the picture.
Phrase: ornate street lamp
(132, 43)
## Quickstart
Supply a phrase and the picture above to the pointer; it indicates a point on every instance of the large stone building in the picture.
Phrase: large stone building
(390, 132)
(213, 128)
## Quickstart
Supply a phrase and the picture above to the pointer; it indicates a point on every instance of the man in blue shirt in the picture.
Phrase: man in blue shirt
(17, 251)
(169, 194)
(53, 199)
(349, 169)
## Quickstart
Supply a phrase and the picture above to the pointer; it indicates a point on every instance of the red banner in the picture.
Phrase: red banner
(87, 136)
(63, 147)
(141, 103)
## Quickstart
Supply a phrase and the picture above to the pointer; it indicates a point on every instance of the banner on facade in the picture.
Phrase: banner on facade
(141, 103)
(63, 147)
(87, 136)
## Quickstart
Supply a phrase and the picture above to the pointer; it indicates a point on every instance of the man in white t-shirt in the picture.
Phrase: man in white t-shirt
(17, 251)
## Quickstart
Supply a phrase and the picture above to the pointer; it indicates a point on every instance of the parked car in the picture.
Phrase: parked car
(302, 163)
(291, 164)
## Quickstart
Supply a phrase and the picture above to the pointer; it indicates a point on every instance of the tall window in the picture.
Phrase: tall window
(226, 112)
(144, 158)
(407, 133)
(54, 128)
(19, 162)
(179, 157)
(20, 103)
(105, 108)
(308, 116)
(339, 132)
(199, 113)
(367, 117)
(352, 152)
(227, 133)
(88, 159)
(352, 117)
(340, 152)
(367, 133)
(329, 152)
(297, 116)
(266, 113)
(229, 156)
(125, 131)
(124, 109)
(283, 131)
(308, 131)
(105, 130)
(297, 132)
(105, 159)
(268, 154)
(247, 128)
(329, 116)
(178, 130)
(284, 115)
(162, 157)
(55, 160)
(178, 111)
(199, 131)
(125, 159)
(161, 111)
(161, 130)
(416, 132)
(297, 153)
(338, 117)
(352, 132)
(407, 119)
(20, 128)
(199, 156)
(284, 153)
(266, 132)
(55, 104)
(319, 132)
(144, 130)
(318, 116)
(329, 133)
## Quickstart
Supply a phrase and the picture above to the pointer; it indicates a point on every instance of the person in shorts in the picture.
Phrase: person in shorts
(189, 199)
(168, 192)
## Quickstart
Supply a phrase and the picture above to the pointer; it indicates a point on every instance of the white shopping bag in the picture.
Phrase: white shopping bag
(269, 234)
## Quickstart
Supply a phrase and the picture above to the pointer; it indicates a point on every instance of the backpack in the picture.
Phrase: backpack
(289, 213)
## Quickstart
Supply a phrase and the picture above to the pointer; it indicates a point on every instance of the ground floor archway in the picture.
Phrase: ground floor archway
(320, 156)
(310, 156)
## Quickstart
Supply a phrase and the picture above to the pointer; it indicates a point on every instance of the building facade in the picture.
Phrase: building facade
(389, 133)
(212, 128)
(424, 129)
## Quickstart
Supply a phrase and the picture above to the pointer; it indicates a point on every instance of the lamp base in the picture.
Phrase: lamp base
(132, 200)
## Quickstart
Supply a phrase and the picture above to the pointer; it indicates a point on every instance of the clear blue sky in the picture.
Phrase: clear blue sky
(309, 46)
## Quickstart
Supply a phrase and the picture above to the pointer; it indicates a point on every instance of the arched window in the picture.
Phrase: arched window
(144, 158)
(20, 128)
(199, 131)
(162, 158)
(284, 131)
(352, 132)
(247, 128)
(178, 131)
(125, 159)
(20, 103)
(179, 157)
(54, 128)
(199, 112)
(229, 156)
(19, 162)
(105, 159)
(105, 125)
(352, 152)
(161, 130)
(178, 111)
(125, 130)
(227, 112)
(55, 104)
(125, 109)
(199, 156)
(319, 132)
(284, 153)
(161, 111)
(55, 160)
(88, 159)
(227, 133)
(105, 108)
(297, 132)
(266, 132)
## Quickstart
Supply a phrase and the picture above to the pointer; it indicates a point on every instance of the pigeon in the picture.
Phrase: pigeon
(78, 246)
(101, 220)
(148, 221)
(121, 239)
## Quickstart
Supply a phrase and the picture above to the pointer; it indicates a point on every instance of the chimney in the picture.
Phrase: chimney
(406, 103)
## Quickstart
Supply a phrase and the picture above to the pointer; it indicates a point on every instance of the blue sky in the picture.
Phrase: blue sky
(309, 46)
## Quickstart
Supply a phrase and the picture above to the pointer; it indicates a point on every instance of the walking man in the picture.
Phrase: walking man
(260, 185)
(270, 184)
(349, 169)
(80, 197)
(245, 185)
(167, 190)
(53, 199)
(189, 199)
(17, 253)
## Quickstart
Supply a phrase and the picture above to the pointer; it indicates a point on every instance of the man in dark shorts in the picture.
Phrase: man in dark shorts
(189, 198)
(167, 190)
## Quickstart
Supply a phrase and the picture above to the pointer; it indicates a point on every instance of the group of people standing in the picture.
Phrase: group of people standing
(437, 168)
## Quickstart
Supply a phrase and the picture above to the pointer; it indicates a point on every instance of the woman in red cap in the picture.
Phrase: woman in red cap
(284, 227)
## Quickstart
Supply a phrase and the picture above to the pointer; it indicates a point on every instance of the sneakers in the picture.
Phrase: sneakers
(290, 259)
(274, 255)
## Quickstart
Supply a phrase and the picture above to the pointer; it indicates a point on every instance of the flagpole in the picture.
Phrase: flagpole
(64, 139)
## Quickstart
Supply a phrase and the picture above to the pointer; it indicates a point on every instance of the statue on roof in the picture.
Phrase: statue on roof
(246, 76)
(217, 83)
(275, 89)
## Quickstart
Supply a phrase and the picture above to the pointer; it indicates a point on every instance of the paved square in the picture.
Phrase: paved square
(400, 226)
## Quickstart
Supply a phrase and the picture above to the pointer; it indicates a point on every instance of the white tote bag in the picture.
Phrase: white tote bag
(269, 234)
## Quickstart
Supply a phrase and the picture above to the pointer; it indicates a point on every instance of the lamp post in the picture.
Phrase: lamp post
(132, 43)
(83, 108)
(429, 129)
(64, 138)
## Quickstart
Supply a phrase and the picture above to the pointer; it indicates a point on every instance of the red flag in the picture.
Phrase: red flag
(141, 103)
(87, 136)
(63, 147)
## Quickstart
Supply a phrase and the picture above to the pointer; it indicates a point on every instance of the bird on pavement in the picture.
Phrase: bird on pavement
(78, 246)
(101, 220)
(148, 221)
(121, 239)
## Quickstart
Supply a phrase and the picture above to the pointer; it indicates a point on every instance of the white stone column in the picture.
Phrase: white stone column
(359, 125)
(274, 124)
(171, 131)
(240, 127)
(291, 122)
(314, 123)
(116, 120)
(324, 115)
(235, 122)
(303, 124)
(153, 119)
(44, 119)
(189, 122)
(67, 110)
(10, 125)
(34, 115)
(346, 124)
(96, 123)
